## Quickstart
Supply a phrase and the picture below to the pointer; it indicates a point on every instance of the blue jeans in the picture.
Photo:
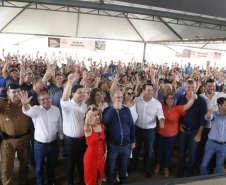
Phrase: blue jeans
(147, 136)
(187, 138)
(210, 149)
(40, 152)
(114, 152)
(165, 147)
(75, 150)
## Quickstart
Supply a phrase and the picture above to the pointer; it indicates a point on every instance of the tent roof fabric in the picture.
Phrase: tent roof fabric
(114, 20)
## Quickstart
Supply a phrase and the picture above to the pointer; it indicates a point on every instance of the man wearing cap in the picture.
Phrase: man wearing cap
(169, 78)
(25, 79)
(13, 78)
(14, 126)
(3, 85)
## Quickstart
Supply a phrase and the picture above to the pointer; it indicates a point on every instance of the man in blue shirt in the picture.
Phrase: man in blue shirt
(167, 88)
(188, 69)
(120, 132)
(3, 86)
(112, 66)
(216, 142)
(191, 127)
(109, 73)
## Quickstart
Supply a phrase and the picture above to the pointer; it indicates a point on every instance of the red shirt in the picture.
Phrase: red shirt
(171, 126)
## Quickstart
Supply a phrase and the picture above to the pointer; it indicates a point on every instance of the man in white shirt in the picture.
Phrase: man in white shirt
(48, 123)
(210, 97)
(148, 110)
(73, 112)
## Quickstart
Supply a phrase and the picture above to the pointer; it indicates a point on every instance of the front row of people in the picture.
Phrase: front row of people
(121, 133)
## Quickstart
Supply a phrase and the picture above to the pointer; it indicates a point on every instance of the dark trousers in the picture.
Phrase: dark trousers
(75, 150)
(122, 153)
(40, 152)
(187, 139)
(147, 136)
(165, 147)
(202, 144)
(32, 155)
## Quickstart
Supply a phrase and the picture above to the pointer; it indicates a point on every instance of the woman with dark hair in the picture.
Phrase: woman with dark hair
(201, 89)
(96, 99)
(96, 152)
(166, 137)
(104, 88)
(124, 81)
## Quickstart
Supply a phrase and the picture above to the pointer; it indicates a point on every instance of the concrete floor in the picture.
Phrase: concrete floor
(136, 177)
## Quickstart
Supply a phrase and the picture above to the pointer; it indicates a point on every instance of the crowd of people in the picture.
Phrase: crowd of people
(99, 115)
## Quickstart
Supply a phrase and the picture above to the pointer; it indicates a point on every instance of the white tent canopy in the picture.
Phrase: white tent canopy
(112, 20)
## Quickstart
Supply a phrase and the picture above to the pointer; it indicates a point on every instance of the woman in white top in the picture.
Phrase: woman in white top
(128, 101)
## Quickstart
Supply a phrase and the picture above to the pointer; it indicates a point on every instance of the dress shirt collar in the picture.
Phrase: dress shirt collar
(44, 108)
(204, 95)
(119, 109)
(74, 103)
(152, 99)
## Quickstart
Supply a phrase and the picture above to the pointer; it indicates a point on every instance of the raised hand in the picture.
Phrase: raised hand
(221, 77)
(157, 87)
(72, 78)
(194, 96)
(116, 78)
(117, 105)
(24, 98)
(89, 114)
(214, 107)
(51, 68)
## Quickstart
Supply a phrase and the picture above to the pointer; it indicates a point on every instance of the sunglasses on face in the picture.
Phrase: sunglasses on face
(130, 93)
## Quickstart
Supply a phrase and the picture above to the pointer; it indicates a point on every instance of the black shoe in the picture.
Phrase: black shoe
(52, 182)
(179, 174)
(148, 175)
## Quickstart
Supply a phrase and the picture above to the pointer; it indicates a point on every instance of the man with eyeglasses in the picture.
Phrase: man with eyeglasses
(47, 127)
(73, 112)
(148, 109)
(120, 132)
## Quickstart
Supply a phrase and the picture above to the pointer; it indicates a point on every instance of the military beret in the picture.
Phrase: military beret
(13, 86)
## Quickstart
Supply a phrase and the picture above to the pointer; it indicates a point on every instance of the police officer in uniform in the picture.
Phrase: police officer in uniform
(14, 126)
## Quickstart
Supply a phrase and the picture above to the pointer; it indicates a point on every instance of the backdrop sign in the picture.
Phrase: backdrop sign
(76, 44)
(187, 53)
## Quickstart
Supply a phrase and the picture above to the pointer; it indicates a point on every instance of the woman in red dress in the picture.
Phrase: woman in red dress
(96, 152)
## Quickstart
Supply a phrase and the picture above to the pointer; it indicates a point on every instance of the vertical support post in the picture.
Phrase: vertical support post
(144, 51)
